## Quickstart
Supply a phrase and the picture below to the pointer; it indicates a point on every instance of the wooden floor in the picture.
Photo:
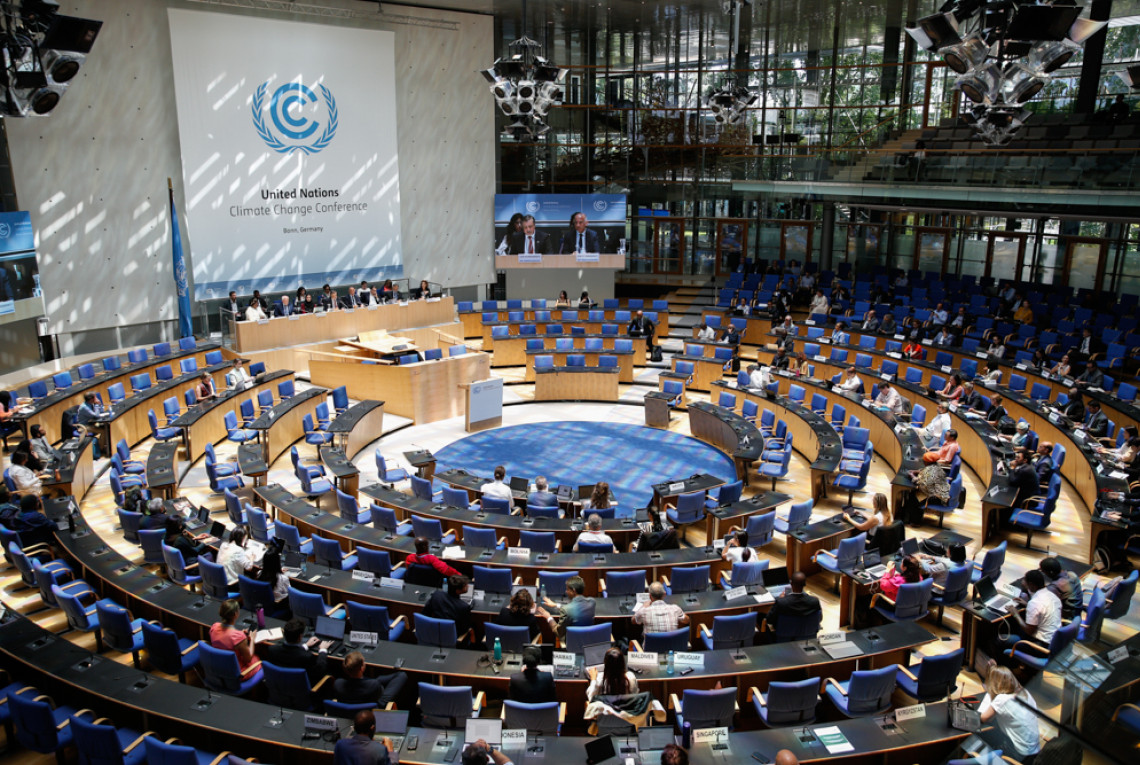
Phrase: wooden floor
(1067, 535)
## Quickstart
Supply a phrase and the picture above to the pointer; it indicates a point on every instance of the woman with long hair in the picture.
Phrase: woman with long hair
(600, 499)
(271, 573)
(880, 518)
(908, 572)
(615, 679)
(520, 613)
(563, 300)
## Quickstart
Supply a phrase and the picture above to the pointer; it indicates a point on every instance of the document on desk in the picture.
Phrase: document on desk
(454, 553)
(833, 740)
(262, 636)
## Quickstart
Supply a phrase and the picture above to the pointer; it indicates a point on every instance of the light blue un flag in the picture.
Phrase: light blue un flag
(185, 329)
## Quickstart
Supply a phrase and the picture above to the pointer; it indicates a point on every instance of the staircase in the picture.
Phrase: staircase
(857, 172)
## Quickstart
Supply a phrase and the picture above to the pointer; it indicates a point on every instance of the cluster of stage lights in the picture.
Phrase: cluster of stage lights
(42, 53)
(1004, 52)
(730, 102)
(526, 86)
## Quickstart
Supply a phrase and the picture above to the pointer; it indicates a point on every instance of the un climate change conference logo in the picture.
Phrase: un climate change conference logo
(287, 133)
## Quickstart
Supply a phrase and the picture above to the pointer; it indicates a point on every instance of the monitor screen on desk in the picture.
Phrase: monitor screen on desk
(600, 750)
(585, 492)
(529, 588)
(909, 546)
(775, 577)
(595, 655)
(330, 628)
(564, 492)
(654, 738)
(489, 729)
(519, 484)
(393, 722)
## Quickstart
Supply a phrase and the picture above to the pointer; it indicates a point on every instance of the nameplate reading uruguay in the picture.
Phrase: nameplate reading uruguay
(689, 659)
(709, 735)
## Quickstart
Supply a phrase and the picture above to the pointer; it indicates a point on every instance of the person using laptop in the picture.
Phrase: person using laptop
(204, 390)
(532, 686)
(938, 566)
(447, 604)
(850, 382)
(659, 615)
(482, 753)
(360, 748)
(232, 556)
(736, 549)
(355, 688)
(909, 571)
(1042, 613)
(292, 654)
(541, 496)
(794, 602)
(593, 533)
(614, 679)
(497, 488)
(759, 377)
(183, 541)
(238, 377)
(880, 518)
(579, 612)
(889, 398)
(39, 445)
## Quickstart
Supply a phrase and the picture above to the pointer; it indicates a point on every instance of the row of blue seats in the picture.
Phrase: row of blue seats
(62, 380)
(608, 304)
(621, 317)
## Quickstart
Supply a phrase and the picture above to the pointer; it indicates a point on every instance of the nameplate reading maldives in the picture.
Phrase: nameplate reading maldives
(319, 722)
(362, 576)
(642, 658)
(689, 659)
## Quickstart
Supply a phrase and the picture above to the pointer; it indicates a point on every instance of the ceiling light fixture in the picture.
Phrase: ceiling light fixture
(526, 86)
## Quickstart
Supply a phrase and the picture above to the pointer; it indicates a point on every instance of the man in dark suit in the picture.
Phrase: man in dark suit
(361, 749)
(1043, 463)
(640, 326)
(795, 602)
(446, 604)
(1096, 424)
(541, 496)
(1092, 377)
(531, 686)
(233, 306)
(292, 655)
(350, 300)
(284, 308)
(1087, 345)
(355, 688)
(579, 238)
(1023, 477)
(528, 240)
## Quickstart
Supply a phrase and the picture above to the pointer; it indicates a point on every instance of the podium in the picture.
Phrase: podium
(484, 404)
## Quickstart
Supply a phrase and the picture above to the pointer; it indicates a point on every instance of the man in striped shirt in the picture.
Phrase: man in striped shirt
(657, 615)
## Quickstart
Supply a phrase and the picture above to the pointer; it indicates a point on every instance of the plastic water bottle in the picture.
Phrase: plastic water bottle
(498, 649)
(541, 594)
(669, 667)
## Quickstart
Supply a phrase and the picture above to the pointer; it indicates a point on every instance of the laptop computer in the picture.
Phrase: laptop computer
(989, 596)
(585, 492)
(328, 628)
(195, 521)
(909, 546)
(529, 588)
(872, 564)
(564, 493)
(599, 750)
(392, 724)
(218, 530)
(594, 655)
(775, 580)
(490, 729)
(651, 741)
(519, 483)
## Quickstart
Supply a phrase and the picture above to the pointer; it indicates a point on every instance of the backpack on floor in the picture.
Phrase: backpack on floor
(655, 355)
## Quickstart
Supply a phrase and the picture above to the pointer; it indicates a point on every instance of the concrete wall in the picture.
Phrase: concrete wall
(93, 174)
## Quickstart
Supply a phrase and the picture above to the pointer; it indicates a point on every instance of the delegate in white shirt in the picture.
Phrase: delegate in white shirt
(1015, 719)
(1044, 611)
(850, 383)
(498, 490)
(937, 426)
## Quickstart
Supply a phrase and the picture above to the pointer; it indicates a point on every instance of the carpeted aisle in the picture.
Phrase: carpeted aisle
(630, 457)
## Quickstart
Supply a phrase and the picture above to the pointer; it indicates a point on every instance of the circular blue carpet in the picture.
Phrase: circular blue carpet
(630, 457)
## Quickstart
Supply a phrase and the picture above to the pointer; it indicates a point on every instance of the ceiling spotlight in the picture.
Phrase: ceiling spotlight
(526, 86)
(935, 32)
(966, 55)
(1131, 76)
(981, 86)
(1019, 84)
(1050, 56)
(61, 67)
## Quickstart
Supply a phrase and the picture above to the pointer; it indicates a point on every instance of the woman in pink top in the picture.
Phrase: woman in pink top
(227, 637)
(953, 390)
(909, 573)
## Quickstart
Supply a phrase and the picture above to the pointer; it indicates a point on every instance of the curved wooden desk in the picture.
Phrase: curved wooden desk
(577, 384)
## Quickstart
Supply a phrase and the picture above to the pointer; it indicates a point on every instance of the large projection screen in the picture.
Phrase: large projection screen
(289, 155)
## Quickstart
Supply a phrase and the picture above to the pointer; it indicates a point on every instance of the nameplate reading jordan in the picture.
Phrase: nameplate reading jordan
(564, 659)
(915, 712)
(478, 594)
(1022, 367)
(650, 658)
(736, 592)
(820, 357)
(363, 638)
(900, 337)
(894, 354)
(387, 581)
(319, 722)
(518, 552)
(678, 486)
(514, 738)
(981, 355)
(709, 735)
(689, 659)
(832, 637)
(362, 576)
(886, 377)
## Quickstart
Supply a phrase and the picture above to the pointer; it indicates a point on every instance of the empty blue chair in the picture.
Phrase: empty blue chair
(577, 638)
(729, 632)
(314, 435)
(80, 615)
(421, 488)
(445, 706)
(292, 538)
(37, 389)
(595, 547)
(690, 509)
(384, 518)
(544, 718)
(40, 725)
(137, 356)
(432, 529)
(365, 617)
(483, 538)
(1037, 512)
(100, 744)
(349, 508)
(222, 673)
(1035, 656)
(726, 495)
(151, 542)
(854, 481)
(112, 364)
(492, 580)
(310, 606)
(689, 580)
(1090, 624)
(663, 642)
(438, 632)
(538, 541)
(706, 709)
(62, 380)
(167, 652)
(161, 433)
(845, 557)
(176, 568)
(328, 552)
(457, 498)
(386, 474)
(776, 463)
(377, 562)
(955, 590)
(866, 693)
(620, 584)
(933, 679)
(744, 573)
(787, 703)
(163, 373)
(234, 433)
(798, 516)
